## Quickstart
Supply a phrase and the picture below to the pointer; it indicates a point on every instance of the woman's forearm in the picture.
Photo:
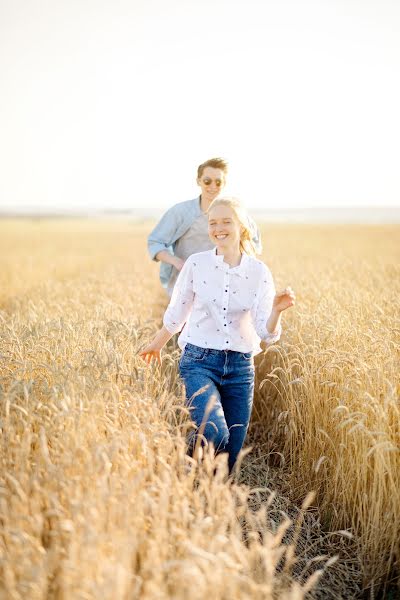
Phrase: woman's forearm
(162, 337)
(274, 321)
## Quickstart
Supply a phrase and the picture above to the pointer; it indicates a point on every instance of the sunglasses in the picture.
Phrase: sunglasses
(208, 181)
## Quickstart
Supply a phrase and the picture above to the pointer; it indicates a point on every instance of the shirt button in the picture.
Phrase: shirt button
(227, 342)
(224, 324)
(226, 290)
(224, 308)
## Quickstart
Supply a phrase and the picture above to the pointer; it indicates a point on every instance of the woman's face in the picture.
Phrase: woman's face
(224, 228)
(211, 182)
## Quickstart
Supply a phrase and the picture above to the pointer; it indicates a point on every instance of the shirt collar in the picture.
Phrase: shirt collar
(240, 270)
(197, 207)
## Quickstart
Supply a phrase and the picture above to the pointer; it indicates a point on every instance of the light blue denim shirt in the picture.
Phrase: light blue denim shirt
(173, 225)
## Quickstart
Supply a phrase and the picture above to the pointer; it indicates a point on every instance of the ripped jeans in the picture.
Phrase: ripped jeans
(227, 377)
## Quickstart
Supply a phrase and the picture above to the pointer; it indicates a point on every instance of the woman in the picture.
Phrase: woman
(183, 229)
(226, 299)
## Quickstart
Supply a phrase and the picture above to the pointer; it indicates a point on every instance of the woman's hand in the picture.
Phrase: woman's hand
(284, 300)
(151, 351)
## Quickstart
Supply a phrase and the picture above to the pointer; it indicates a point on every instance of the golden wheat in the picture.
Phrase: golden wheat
(331, 389)
(97, 497)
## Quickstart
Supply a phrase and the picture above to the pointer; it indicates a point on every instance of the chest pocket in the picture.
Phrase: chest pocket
(208, 287)
(243, 296)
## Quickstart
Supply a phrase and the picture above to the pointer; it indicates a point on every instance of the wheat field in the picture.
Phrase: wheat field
(97, 496)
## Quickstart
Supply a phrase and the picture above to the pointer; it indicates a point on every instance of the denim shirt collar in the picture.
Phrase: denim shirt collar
(197, 207)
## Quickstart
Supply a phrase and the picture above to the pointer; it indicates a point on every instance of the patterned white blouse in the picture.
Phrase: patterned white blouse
(222, 307)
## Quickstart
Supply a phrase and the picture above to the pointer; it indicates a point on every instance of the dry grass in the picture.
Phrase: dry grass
(96, 498)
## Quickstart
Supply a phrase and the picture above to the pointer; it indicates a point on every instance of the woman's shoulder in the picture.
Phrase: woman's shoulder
(257, 266)
(256, 262)
(201, 257)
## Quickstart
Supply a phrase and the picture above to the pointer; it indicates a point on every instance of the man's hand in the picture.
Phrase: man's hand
(178, 263)
(170, 259)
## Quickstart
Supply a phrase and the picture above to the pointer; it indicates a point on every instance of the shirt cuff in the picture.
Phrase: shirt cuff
(171, 326)
(271, 338)
(154, 248)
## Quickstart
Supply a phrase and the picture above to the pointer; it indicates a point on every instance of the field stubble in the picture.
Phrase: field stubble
(96, 497)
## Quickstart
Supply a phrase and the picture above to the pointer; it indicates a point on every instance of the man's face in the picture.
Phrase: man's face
(211, 182)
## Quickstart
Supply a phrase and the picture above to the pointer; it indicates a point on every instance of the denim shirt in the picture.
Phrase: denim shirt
(173, 225)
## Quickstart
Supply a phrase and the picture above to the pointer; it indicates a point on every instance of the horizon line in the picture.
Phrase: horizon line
(354, 214)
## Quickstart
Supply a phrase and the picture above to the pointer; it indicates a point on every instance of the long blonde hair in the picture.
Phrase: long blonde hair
(246, 242)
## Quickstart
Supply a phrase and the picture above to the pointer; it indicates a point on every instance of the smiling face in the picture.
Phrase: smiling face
(224, 228)
(211, 182)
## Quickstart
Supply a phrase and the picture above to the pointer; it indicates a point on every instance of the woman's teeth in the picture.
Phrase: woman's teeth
(221, 237)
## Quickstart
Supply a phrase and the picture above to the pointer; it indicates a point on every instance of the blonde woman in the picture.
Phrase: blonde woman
(183, 229)
(225, 301)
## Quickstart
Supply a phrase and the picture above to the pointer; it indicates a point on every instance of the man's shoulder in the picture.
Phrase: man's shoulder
(179, 215)
(182, 207)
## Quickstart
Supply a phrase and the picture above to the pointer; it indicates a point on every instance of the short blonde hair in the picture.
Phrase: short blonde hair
(246, 242)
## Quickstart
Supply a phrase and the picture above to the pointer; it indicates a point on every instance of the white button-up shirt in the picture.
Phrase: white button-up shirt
(222, 307)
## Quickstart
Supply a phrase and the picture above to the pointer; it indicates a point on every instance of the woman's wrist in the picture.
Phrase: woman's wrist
(274, 321)
(161, 338)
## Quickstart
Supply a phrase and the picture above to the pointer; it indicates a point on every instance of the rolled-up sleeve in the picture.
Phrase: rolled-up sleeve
(255, 236)
(164, 233)
(181, 302)
(263, 307)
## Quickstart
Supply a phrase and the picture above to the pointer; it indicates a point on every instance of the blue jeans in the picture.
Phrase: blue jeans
(226, 377)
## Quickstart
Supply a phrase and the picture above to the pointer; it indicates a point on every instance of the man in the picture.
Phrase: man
(183, 229)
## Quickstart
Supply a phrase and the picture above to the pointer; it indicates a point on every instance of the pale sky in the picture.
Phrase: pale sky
(114, 103)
